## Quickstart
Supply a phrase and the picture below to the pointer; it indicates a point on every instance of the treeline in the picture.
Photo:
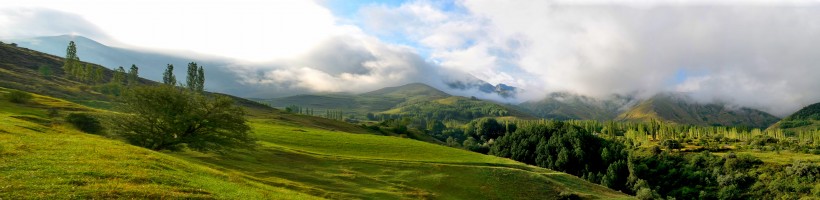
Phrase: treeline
(651, 173)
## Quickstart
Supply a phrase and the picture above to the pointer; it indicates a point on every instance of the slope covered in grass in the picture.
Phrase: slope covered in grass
(43, 157)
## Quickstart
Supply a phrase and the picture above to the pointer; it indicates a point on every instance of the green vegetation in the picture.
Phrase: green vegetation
(626, 157)
(196, 78)
(17, 96)
(296, 157)
(168, 77)
(803, 122)
(166, 117)
(416, 100)
(291, 162)
(84, 122)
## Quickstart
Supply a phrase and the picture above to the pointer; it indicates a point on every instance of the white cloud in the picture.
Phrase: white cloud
(761, 54)
(247, 29)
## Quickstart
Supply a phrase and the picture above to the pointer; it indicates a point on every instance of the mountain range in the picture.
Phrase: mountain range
(669, 107)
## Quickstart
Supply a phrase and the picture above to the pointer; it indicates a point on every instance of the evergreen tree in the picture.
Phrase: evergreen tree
(71, 59)
(168, 77)
(133, 75)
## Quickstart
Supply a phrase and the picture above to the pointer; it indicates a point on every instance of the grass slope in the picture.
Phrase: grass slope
(41, 157)
(678, 109)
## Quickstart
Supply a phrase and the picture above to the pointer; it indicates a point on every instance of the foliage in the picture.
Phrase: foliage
(72, 62)
(85, 122)
(45, 71)
(806, 113)
(16, 96)
(196, 77)
(672, 144)
(168, 77)
(119, 76)
(164, 117)
(133, 75)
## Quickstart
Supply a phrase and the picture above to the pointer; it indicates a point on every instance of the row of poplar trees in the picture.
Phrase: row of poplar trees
(76, 70)
(195, 81)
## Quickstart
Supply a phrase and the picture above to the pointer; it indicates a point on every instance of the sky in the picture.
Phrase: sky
(759, 54)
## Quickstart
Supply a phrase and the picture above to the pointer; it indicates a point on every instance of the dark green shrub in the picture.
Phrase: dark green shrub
(84, 122)
(18, 96)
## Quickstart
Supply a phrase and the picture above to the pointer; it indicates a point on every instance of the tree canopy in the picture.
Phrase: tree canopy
(166, 117)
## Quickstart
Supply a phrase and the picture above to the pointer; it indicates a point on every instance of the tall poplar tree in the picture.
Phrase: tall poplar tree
(191, 80)
(200, 78)
(98, 75)
(119, 76)
(71, 59)
(133, 75)
(168, 77)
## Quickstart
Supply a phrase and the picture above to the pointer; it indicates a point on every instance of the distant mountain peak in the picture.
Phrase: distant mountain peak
(681, 108)
(501, 89)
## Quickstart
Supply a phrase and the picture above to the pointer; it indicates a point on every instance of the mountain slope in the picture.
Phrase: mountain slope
(678, 108)
(415, 99)
(805, 119)
(455, 108)
(565, 106)
(361, 104)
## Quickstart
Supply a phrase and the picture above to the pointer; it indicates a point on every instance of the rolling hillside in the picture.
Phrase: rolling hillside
(411, 99)
(43, 157)
(678, 109)
(805, 119)
(299, 157)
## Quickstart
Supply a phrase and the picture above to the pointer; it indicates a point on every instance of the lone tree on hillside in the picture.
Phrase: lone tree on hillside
(168, 118)
(168, 77)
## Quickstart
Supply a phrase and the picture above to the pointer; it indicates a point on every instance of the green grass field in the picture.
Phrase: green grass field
(45, 158)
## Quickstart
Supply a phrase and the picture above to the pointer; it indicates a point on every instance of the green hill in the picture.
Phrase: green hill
(299, 157)
(565, 106)
(456, 108)
(805, 119)
(678, 109)
(415, 99)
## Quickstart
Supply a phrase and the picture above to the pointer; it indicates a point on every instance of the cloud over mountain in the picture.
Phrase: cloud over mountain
(761, 54)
